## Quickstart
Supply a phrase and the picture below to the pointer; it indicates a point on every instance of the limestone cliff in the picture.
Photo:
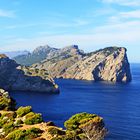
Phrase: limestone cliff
(12, 78)
(109, 64)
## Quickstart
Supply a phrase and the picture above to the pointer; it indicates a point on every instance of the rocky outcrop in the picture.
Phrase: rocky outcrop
(13, 78)
(109, 64)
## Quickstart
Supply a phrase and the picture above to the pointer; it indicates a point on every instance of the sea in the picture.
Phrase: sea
(117, 103)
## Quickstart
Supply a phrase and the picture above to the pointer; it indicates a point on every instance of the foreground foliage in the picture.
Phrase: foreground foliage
(24, 124)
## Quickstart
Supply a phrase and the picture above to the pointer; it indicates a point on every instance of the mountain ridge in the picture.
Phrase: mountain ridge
(45, 52)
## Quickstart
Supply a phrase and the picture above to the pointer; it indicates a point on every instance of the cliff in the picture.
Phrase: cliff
(109, 64)
(13, 78)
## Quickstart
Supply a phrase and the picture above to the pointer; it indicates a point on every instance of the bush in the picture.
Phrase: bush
(33, 133)
(21, 111)
(55, 131)
(18, 122)
(24, 134)
(74, 122)
(33, 118)
(16, 135)
(84, 123)
(6, 118)
(7, 103)
(10, 115)
(8, 127)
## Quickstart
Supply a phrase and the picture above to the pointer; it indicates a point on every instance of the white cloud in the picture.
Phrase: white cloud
(130, 14)
(51, 24)
(118, 34)
(6, 13)
(124, 34)
(123, 2)
(124, 17)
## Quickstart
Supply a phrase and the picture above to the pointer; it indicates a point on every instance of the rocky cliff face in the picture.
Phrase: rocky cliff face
(13, 78)
(109, 64)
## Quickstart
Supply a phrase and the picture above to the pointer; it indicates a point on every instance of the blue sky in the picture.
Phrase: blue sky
(91, 24)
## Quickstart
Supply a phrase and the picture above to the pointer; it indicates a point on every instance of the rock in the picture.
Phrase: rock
(3, 56)
(109, 64)
(16, 79)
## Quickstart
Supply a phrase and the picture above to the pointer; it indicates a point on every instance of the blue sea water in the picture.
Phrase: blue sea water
(118, 104)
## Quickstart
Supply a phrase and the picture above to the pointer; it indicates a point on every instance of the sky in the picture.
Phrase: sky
(91, 24)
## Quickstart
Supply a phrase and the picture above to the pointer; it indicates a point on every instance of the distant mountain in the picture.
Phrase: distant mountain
(108, 64)
(15, 53)
(46, 52)
(39, 54)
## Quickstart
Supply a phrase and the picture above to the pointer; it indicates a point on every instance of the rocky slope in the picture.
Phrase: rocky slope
(24, 124)
(109, 64)
(13, 78)
(46, 52)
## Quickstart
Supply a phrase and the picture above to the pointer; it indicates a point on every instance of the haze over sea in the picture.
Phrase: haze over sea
(117, 103)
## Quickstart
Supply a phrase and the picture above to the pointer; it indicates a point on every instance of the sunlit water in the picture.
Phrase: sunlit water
(118, 104)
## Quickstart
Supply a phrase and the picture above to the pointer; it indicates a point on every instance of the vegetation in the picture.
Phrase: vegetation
(55, 131)
(74, 122)
(23, 124)
(86, 126)
(23, 111)
(106, 51)
(33, 118)
(24, 134)
(6, 103)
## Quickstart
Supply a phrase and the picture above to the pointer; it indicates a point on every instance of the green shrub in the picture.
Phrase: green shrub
(33, 132)
(10, 115)
(84, 123)
(74, 122)
(65, 137)
(16, 135)
(3, 121)
(18, 122)
(7, 103)
(8, 127)
(21, 111)
(24, 134)
(33, 118)
(55, 131)
(71, 134)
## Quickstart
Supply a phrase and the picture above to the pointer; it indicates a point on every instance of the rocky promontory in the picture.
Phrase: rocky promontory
(15, 79)
(108, 64)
